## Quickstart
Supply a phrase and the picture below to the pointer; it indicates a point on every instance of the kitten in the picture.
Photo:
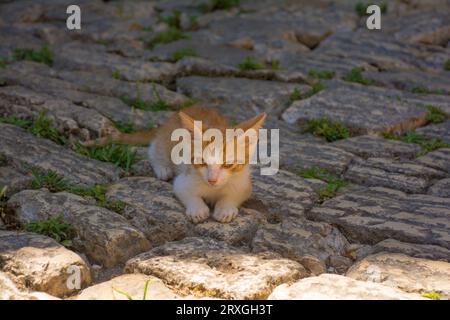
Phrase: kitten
(225, 186)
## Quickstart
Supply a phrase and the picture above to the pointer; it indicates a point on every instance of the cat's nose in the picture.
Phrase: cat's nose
(212, 182)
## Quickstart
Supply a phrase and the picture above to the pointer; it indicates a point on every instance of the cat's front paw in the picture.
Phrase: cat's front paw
(225, 214)
(198, 213)
(163, 173)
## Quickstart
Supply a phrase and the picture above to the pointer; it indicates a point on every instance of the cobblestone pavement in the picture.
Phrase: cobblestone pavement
(359, 209)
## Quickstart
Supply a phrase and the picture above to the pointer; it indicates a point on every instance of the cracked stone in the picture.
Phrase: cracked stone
(309, 243)
(131, 284)
(440, 188)
(81, 58)
(400, 271)
(375, 214)
(13, 180)
(10, 291)
(365, 111)
(437, 131)
(406, 176)
(104, 236)
(335, 287)
(220, 270)
(76, 120)
(24, 151)
(40, 263)
(255, 95)
(152, 208)
(438, 159)
(369, 146)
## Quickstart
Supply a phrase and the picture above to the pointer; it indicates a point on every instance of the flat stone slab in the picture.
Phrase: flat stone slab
(304, 154)
(254, 95)
(13, 180)
(87, 82)
(104, 236)
(152, 208)
(130, 284)
(440, 188)
(406, 176)
(42, 79)
(310, 243)
(40, 263)
(379, 49)
(372, 146)
(416, 250)
(335, 287)
(437, 131)
(219, 270)
(76, 56)
(282, 194)
(405, 273)
(74, 120)
(430, 27)
(10, 291)
(375, 214)
(408, 81)
(25, 151)
(367, 110)
(274, 28)
(438, 159)
(238, 232)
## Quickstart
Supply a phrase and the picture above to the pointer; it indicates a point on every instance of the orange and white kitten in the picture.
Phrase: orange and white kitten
(222, 185)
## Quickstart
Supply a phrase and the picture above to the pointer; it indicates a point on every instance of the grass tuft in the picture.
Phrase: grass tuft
(15, 120)
(180, 54)
(329, 129)
(117, 75)
(41, 127)
(53, 227)
(3, 62)
(334, 183)
(447, 65)
(50, 180)
(214, 5)
(436, 115)
(174, 20)
(138, 103)
(125, 126)
(427, 144)
(170, 35)
(129, 297)
(123, 156)
(250, 63)
(425, 90)
(431, 295)
(44, 55)
(322, 74)
(56, 183)
(298, 95)
(355, 75)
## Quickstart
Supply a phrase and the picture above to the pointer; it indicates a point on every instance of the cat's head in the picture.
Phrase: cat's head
(220, 160)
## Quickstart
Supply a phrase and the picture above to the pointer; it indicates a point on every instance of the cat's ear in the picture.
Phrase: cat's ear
(190, 124)
(253, 123)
